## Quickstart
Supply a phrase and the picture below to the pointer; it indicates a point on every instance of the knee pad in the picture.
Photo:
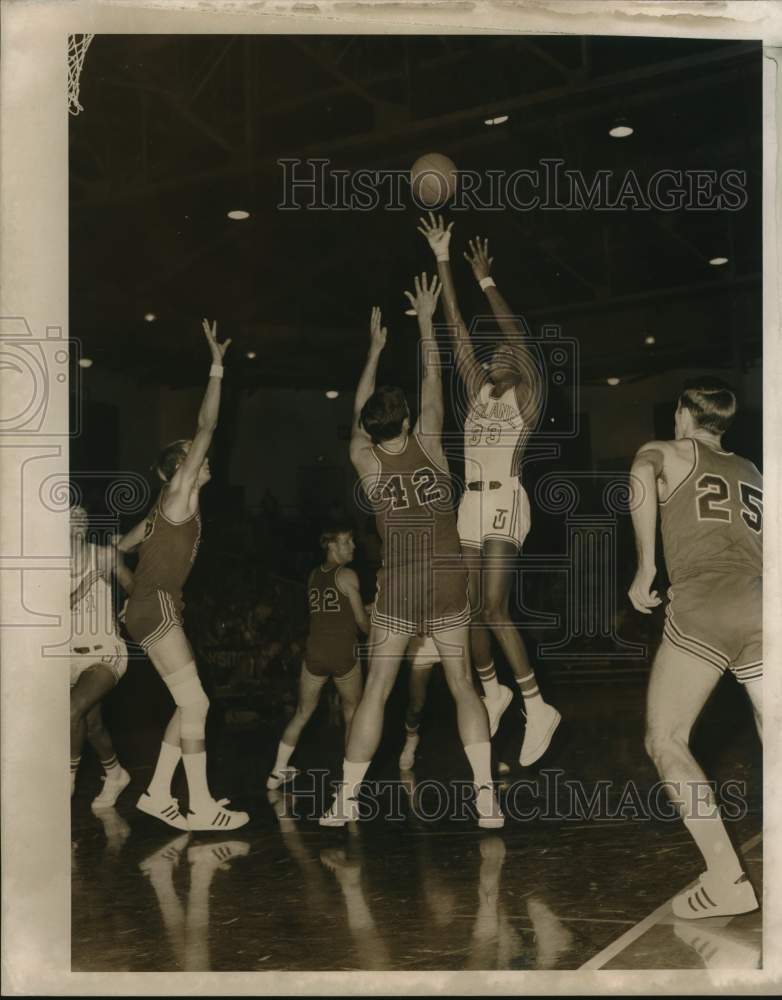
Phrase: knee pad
(186, 690)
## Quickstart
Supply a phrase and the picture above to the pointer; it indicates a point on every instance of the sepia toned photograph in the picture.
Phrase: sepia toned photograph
(405, 430)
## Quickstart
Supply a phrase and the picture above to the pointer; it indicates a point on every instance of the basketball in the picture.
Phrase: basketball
(433, 180)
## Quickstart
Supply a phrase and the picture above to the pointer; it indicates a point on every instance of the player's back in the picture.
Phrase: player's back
(330, 610)
(93, 615)
(413, 502)
(713, 520)
(494, 436)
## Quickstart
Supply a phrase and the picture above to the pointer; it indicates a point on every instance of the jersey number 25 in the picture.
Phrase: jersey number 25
(714, 499)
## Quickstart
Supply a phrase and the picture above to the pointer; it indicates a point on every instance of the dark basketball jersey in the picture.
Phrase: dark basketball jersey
(167, 553)
(332, 622)
(413, 503)
(713, 521)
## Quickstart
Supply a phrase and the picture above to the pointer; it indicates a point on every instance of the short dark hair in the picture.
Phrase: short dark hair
(332, 532)
(711, 402)
(169, 459)
(384, 413)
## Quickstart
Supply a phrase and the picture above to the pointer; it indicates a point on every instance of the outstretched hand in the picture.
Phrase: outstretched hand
(478, 258)
(436, 234)
(218, 350)
(424, 302)
(377, 332)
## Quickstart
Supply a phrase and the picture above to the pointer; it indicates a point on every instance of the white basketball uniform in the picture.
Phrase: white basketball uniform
(94, 636)
(494, 503)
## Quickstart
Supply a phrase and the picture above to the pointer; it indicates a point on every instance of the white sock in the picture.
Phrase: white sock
(197, 787)
(479, 756)
(167, 762)
(283, 756)
(488, 679)
(353, 774)
(530, 693)
(710, 835)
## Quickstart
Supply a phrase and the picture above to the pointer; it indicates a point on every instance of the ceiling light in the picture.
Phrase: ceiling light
(238, 213)
(331, 394)
(150, 317)
(251, 355)
(621, 128)
(85, 362)
(649, 339)
(718, 261)
(498, 120)
(613, 380)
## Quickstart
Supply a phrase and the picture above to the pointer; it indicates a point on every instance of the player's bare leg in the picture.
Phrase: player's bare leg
(499, 564)
(350, 687)
(386, 650)
(90, 689)
(755, 692)
(496, 697)
(310, 688)
(679, 686)
(172, 657)
(115, 778)
(472, 721)
(416, 699)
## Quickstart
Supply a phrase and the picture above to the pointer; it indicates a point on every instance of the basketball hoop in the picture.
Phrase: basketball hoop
(77, 50)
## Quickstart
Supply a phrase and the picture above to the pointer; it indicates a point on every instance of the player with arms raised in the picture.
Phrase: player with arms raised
(711, 504)
(168, 541)
(502, 408)
(422, 585)
(336, 609)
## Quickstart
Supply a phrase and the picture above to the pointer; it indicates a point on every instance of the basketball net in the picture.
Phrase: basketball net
(77, 50)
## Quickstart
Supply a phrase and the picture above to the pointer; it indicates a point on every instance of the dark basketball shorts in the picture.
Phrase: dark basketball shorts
(151, 616)
(330, 657)
(718, 617)
(422, 598)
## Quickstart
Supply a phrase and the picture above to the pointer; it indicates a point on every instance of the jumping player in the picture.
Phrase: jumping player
(335, 611)
(711, 504)
(503, 407)
(99, 657)
(422, 585)
(168, 541)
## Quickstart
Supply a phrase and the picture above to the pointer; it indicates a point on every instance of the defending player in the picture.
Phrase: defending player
(99, 657)
(503, 406)
(335, 611)
(422, 585)
(168, 540)
(711, 504)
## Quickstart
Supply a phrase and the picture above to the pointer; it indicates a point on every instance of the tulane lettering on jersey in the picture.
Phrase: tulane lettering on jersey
(493, 434)
(713, 521)
(93, 616)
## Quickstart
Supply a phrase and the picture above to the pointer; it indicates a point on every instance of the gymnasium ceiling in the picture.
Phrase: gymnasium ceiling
(178, 130)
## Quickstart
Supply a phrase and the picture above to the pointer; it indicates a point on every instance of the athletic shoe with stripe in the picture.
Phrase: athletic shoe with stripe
(278, 778)
(538, 734)
(712, 896)
(344, 809)
(165, 809)
(111, 791)
(496, 706)
(490, 815)
(214, 817)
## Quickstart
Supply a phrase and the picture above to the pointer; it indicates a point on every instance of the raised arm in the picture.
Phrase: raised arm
(360, 441)
(430, 417)
(347, 581)
(648, 466)
(513, 328)
(185, 477)
(438, 237)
